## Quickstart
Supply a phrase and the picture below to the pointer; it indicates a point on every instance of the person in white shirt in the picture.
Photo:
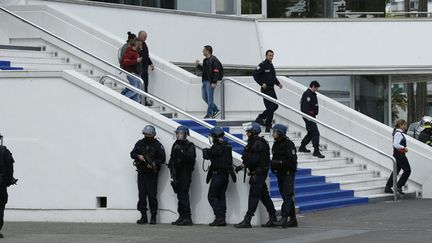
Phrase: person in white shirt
(399, 152)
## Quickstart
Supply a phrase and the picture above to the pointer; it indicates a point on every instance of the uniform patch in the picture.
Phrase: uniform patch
(308, 99)
(294, 151)
(258, 68)
(267, 71)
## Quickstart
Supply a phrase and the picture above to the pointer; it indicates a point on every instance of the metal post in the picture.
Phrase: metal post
(222, 100)
(394, 180)
(239, 13)
(264, 8)
(390, 115)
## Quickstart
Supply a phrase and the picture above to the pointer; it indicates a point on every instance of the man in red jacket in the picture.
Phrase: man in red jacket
(129, 62)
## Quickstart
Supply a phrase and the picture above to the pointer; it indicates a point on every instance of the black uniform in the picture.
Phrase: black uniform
(426, 136)
(256, 158)
(402, 163)
(220, 155)
(309, 105)
(154, 154)
(182, 163)
(6, 178)
(145, 63)
(284, 165)
(265, 74)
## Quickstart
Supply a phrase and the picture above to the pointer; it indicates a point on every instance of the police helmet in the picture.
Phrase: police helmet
(149, 130)
(182, 129)
(217, 132)
(280, 129)
(252, 127)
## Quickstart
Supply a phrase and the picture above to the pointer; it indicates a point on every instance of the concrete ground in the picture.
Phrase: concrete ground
(403, 221)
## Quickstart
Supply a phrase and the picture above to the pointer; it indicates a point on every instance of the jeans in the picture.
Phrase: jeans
(129, 93)
(207, 95)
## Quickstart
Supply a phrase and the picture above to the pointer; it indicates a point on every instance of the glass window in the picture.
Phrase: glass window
(251, 7)
(296, 8)
(226, 7)
(371, 96)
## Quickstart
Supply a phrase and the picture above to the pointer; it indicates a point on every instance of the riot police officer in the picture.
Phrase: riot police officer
(6, 178)
(181, 164)
(148, 155)
(256, 158)
(425, 136)
(220, 155)
(309, 105)
(284, 165)
(265, 76)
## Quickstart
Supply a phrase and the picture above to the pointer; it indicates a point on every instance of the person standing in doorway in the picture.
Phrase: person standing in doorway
(309, 106)
(146, 63)
(212, 71)
(399, 153)
(265, 76)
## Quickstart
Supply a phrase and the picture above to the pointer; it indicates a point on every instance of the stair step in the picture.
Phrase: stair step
(10, 68)
(322, 195)
(313, 187)
(351, 184)
(366, 191)
(299, 180)
(336, 177)
(35, 60)
(389, 197)
(21, 48)
(5, 63)
(45, 66)
(338, 161)
(331, 203)
(190, 123)
(319, 170)
(25, 54)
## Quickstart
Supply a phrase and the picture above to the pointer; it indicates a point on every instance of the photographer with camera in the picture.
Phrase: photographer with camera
(284, 165)
(6, 178)
(181, 165)
(220, 156)
(148, 155)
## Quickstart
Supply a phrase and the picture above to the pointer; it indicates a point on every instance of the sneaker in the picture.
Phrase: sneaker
(207, 117)
(215, 114)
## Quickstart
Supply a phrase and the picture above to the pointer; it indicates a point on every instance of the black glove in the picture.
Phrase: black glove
(239, 168)
(206, 153)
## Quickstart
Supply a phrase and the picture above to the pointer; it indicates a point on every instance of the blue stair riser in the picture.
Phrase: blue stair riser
(11, 68)
(326, 204)
(314, 187)
(318, 196)
(303, 180)
(5, 63)
(300, 172)
(190, 123)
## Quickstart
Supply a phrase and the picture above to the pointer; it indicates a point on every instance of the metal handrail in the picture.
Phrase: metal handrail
(311, 119)
(173, 107)
(70, 44)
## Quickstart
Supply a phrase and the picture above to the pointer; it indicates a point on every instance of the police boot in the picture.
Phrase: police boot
(245, 223)
(143, 219)
(291, 223)
(260, 121)
(303, 149)
(318, 154)
(187, 221)
(282, 222)
(271, 222)
(219, 221)
(153, 219)
(177, 221)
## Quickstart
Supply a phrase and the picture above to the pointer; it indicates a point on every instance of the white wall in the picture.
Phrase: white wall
(71, 139)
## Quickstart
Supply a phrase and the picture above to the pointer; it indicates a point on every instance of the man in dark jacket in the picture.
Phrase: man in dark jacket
(181, 165)
(265, 76)
(148, 154)
(284, 165)
(212, 71)
(309, 105)
(256, 158)
(425, 136)
(145, 63)
(220, 155)
(6, 179)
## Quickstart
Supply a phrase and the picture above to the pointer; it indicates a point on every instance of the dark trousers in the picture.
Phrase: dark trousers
(216, 194)
(145, 78)
(271, 107)
(402, 163)
(3, 201)
(147, 188)
(286, 189)
(312, 134)
(184, 179)
(258, 191)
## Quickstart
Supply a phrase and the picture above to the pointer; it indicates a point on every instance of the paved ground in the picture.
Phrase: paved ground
(404, 221)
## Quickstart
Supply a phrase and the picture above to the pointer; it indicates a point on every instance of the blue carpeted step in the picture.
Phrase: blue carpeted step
(299, 180)
(190, 123)
(5, 63)
(313, 187)
(300, 172)
(321, 195)
(10, 68)
(331, 203)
